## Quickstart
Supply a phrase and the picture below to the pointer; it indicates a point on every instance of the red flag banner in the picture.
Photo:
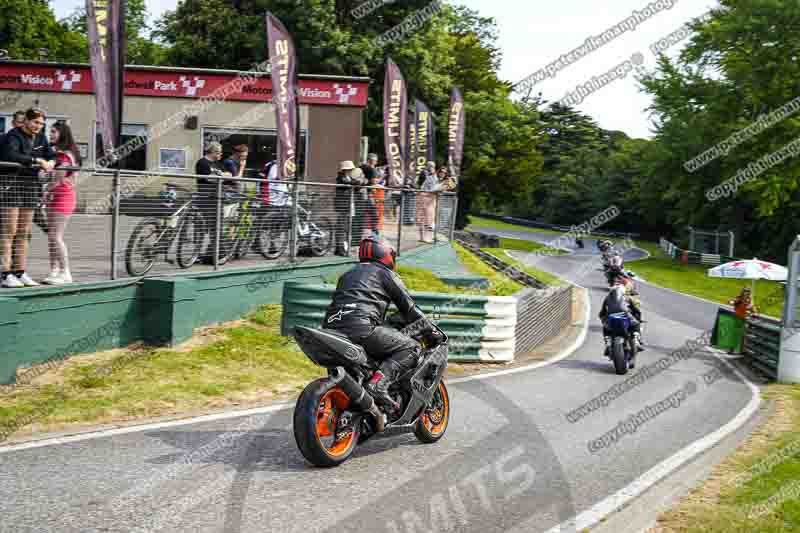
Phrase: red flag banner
(105, 21)
(395, 123)
(283, 60)
(455, 133)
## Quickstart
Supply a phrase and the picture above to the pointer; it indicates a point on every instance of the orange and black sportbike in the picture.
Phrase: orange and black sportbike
(334, 414)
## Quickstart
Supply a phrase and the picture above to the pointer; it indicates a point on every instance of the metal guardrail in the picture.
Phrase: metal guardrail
(688, 257)
(503, 267)
(129, 224)
(763, 345)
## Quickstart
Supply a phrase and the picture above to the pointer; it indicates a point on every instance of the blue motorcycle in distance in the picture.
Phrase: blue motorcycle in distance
(623, 344)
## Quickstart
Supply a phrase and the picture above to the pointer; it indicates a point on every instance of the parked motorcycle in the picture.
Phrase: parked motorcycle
(335, 413)
(623, 344)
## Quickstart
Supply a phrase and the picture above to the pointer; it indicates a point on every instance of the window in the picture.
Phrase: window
(263, 146)
(136, 160)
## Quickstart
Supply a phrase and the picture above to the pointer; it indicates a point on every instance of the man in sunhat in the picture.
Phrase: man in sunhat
(345, 181)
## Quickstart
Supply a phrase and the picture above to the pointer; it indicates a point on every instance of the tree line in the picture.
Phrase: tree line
(523, 155)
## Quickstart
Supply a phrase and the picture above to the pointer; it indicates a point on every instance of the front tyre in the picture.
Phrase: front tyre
(321, 427)
(434, 420)
(618, 355)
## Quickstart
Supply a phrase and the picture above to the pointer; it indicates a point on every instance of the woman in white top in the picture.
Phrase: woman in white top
(426, 203)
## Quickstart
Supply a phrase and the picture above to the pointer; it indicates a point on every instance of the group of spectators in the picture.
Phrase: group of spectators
(37, 179)
(37, 184)
(363, 195)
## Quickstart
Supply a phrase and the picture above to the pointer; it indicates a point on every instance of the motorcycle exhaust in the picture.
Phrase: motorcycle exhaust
(359, 397)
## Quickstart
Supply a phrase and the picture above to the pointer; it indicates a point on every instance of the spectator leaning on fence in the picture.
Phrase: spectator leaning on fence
(20, 192)
(344, 182)
(426, 202)
(209, 165)
(236, 163)
(61, 201)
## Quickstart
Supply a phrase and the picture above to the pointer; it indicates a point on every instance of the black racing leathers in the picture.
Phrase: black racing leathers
(359, 307)
(618, 302)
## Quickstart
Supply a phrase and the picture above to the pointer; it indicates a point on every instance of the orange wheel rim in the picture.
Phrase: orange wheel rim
(435, 419)
(331, 406)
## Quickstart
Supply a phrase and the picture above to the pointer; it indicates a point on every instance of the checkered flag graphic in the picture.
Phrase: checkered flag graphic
(67, 81)
(345, 93)
(192, 85)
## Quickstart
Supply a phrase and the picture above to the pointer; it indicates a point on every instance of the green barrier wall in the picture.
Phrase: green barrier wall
(41, 325)
(481, 328)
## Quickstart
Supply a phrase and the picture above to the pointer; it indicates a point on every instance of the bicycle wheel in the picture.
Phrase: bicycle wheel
(228, 240)
(273, 237)
(190, 240)
(322, 237)
(144, 244)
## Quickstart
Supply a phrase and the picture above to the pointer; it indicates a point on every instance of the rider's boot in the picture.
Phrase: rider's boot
(608, 345)
(378, 387)
(638, 337)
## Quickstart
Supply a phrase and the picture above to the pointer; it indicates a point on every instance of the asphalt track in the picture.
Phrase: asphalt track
(511, 460)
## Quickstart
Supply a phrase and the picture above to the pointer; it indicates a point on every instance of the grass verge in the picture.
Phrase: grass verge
(757, 488)
(541, 275)
(244, 362)
(529, 246)
(480, 222)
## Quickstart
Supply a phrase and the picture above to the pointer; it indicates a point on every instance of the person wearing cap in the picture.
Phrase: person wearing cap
(345, 181)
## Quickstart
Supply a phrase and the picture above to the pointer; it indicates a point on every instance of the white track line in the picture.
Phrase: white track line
(145, 427)
(605, 507)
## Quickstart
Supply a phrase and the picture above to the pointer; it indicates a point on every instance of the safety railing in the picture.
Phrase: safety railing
(762, 344)
(688, 257)
(99, 224)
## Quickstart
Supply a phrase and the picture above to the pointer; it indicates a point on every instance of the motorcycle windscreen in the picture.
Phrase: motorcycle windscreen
(329, 350)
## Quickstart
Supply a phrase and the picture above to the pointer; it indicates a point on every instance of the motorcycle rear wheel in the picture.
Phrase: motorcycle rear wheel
(433, 423)
(618, 356)
(316, 419)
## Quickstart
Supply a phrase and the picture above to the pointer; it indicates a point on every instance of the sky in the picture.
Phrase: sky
(535, 33)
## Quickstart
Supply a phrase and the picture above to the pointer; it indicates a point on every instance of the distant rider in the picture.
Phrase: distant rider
(621, 299)
(358, 310)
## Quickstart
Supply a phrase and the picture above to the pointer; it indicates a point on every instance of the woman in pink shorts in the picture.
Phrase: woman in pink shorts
(61, 200)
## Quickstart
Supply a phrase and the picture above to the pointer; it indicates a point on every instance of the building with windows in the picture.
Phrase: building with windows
(330, 114)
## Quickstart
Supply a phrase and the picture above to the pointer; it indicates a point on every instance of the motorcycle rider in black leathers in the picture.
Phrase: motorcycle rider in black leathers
(620, 300)
(358, 310)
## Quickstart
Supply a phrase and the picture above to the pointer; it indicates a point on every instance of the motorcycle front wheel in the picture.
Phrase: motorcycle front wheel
(434, 420)
(321, 428)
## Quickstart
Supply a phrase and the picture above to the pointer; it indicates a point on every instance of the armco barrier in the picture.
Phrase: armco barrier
(688, 257)
(501, 266)
(481, 328)
(763, 345)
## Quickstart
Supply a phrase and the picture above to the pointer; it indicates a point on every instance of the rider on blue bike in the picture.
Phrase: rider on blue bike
(621, 299)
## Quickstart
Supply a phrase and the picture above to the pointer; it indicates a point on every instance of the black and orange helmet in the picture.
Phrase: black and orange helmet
(372, 249)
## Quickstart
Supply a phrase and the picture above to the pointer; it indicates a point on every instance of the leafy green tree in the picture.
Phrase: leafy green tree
(29, 25)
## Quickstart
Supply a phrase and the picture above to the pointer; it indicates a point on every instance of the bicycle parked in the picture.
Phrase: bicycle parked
(155, 236)
(314, 234)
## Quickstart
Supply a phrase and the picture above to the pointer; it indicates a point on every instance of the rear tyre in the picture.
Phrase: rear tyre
(618, 355)
(321, 435)
(433, 423)
(273, 238)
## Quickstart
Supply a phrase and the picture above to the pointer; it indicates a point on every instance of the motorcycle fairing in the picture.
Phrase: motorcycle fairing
(434, 362)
